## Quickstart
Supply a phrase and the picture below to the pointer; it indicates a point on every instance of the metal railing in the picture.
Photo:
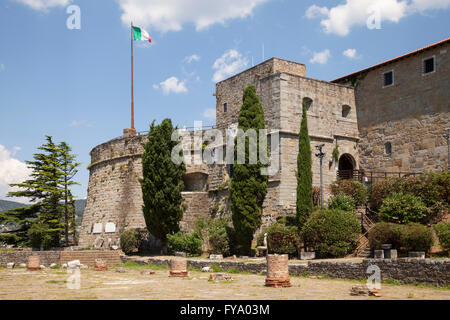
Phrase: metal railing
(372, 176)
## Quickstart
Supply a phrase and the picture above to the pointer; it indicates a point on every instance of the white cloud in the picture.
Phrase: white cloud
(172, 85)
(81, 123)
(228, 64)
(316, 12)
(42, 5)
(171, 15)
(192, 58)
(11, 171)
(321, 57)
(341, 18)
(209, 114)
(350, 53)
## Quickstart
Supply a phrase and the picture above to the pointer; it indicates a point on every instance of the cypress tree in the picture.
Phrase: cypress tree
(304, 173)
(248, 187)
(162, 183)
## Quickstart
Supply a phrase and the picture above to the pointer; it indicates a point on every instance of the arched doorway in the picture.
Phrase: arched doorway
(347, 167)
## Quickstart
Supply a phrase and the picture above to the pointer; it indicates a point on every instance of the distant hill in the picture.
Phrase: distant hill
(6, 205)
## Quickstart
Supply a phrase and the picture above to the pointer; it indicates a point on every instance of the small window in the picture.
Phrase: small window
(388, 148)
(388, 78)
(429, 65)
(346, 111)
(225, 107)
(309, 103)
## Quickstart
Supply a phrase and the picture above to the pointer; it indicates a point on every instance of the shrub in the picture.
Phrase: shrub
(332, 233)
(403, 208)
(353, 189)
(184, 242)
(218, 234)
(40, 235)
(443, 233)
(9, 238)
(385, 233)
(131, 240)
(281, 238)
(416, 237)
(380, 190)
(432, 188)
(341, 202)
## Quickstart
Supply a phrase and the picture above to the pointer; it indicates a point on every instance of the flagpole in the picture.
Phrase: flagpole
(132, 80)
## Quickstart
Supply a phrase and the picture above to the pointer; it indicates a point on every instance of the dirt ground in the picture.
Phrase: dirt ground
(51, 284)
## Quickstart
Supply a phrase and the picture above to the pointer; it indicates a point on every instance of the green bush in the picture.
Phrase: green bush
(41, 235)
(184, 242)
(403, 208)
(416, 237)
(341, 202)
(443, 233)
(385, 233)
(353, 189)
(282, 238)
(10, 239)
(131, 240)
(332, 233)
(432, 188)
(218, 234)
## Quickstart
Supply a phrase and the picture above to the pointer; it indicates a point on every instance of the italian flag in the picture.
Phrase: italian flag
(140, 34)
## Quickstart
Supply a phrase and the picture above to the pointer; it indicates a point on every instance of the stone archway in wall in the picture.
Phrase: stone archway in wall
(195, 181)
(347, 166)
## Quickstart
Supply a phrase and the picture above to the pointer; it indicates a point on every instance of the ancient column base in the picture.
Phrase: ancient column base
(101, 269)
(33, 268)
(178, 274)
(129, 132)
(278, 283)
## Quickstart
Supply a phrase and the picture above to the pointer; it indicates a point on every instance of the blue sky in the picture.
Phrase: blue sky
(75, 84)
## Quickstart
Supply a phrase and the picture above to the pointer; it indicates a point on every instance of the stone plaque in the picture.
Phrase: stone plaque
(34, 263)
(97, 228)
(110, 227)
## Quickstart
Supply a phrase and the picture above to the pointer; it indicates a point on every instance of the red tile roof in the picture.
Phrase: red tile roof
(394, 60)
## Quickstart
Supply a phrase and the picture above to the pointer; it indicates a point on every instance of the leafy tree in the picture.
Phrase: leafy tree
(47, 189)
(248, 185)
(162, 183)
(304, 173)
(68, 171)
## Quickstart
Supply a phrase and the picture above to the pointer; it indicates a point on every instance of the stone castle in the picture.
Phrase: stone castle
(385, 120)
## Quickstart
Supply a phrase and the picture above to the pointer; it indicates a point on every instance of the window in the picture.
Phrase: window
(225, 107)
(388, 78)
(309, 103)
(388, 148)
(346, 111)
(429, 65)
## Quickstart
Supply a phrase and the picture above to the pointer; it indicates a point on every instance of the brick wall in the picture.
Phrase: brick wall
(61, 257)
(18, 257)
(408, 271)
(88, 257)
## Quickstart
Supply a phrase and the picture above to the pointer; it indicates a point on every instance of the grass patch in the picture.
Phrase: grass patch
(191, 268)
(135, 265)
(216, 268)
(56, 281)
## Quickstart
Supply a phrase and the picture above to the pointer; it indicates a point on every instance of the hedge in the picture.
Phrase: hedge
(332, 233)
(443, 233)
(282, 238)
(353, 189)
(409, 237)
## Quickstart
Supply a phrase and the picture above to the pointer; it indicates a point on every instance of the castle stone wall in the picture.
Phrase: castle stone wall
(412, 114)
